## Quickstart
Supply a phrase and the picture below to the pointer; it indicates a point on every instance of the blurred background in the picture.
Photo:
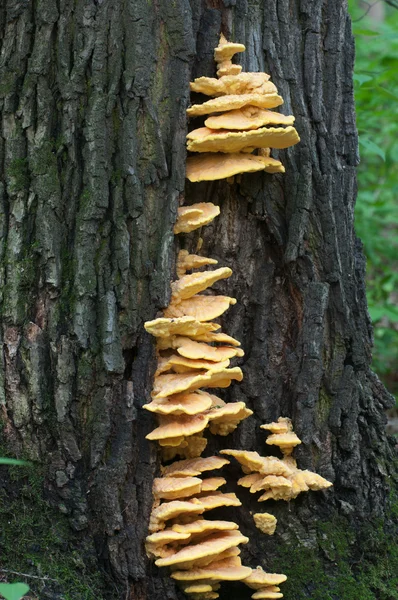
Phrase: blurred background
(375, 26)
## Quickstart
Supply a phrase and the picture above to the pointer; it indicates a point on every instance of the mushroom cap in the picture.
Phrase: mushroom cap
(244, 83)
(180, 364)
(182, 326)
(248, 480)
(223, 378)
(217, 499)
(226, 50)
(231, 102)
(265, 522)
(226, 67)
(205, 596)
(197, 350)
(229, 569)
(166, 536)
(171, 510)
(191, 447)
(194, 466)
(224, 418)
(175, 488)
(267, 465)
(314, 481)
(190, 285)
(173, 442)
(283, 425)
(203, 526)
(259, 578)
(156, 542)
(173, 383)
(277, 493)
(218, 338)
(196, 588)
(190, 404)
(176, 426)
(251, 460)
(265, 593)
(248, 117)
(221, 140)
(204, 550)
(186, 262)
(212, 483)
(195, 216)
(195, 446)
(284, 440)
(271, 481)
(214, 166)
(167, 385)
(202, 308)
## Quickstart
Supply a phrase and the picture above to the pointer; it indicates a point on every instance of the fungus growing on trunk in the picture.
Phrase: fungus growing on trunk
(213, 166)
(220, 140)
(194, 467)
(264, 583)
(202, 308)
(195, 216)
(186, 262)
(278, 479)
(246, 118)
(265, 522)
(239, 123)
(201, 552)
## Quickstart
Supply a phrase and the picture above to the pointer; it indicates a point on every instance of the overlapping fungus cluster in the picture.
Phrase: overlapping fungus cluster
(276, 478)
(194, 356)
(200, 553)
(238, 123)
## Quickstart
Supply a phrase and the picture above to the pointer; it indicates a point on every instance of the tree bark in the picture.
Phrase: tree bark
(93, 100)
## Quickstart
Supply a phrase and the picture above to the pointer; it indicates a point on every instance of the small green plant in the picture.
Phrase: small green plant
(13, 591)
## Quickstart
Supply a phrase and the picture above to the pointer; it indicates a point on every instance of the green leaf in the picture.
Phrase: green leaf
(366, 32)
(362, 78)
(386, 92)
(372, 147)
(13, 591)
(13, 461)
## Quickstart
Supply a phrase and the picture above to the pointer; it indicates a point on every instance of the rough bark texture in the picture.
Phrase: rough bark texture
(92, 154)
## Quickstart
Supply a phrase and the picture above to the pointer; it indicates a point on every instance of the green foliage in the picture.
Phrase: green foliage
(376, 93)
(13, 591)
(12, 461)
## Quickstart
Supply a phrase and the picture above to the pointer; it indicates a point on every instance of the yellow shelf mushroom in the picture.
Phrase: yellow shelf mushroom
(277, 479)
(220, 140)
(195, 216)
(246, 118)
(213, 166)
(239, 122)
(265, 522)
(201, 553)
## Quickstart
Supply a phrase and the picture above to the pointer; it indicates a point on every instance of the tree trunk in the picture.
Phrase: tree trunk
(93, 100)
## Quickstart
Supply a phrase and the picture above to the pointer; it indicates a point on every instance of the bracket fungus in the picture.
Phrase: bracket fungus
(200, 552)
(265, 522)
(195, 216)
(185, 364)
(277, 479)
(239, 121)
(238, 134)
